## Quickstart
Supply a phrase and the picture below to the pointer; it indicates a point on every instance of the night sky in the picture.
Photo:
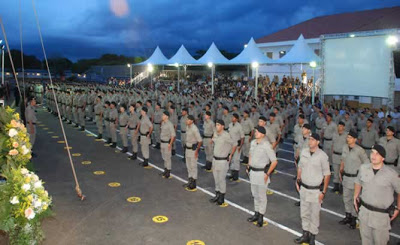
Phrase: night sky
(89, 28)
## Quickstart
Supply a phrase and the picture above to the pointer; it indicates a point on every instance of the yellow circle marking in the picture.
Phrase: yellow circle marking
(114, 184)
(269, 192)
(107, 144)
(265, 223)
(55, 137)
(98, 140)
(117, 151)
(86, 162)
(160, 219)
(134, 199)
(99, 172)
(148, 167)
(209, 171)
(61, 142)
(195, 242)
(76, 154)
(90, 135)
(69, 147)
(237, 181)
(224, 205)
(45, 128)
(191, 190)
(275, 172)
(50, 132)
(170, 177)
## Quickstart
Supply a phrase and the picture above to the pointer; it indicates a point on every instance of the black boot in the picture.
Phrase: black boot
(145, 162)
(192, 185)
(158, 146)
(346, 219)
(234, 175)
(260, 220)
(82, 128)
(124, 150)
(208, 165)
(167, 174)
(215, 199)
(134, 156)
(109, 141)
(221, 199)
(305, 238)
(353, 222)
(188, 183)
(312, 239)
(245, 160)
(114, 145)
(99, 136)
(335, 187)
(173, 152)
(163, 173)
(297, 204)
(254, 217)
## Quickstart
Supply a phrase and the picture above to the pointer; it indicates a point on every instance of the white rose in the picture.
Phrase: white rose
(38, 204)
(29, 213)
(26, 187)
(14, 200)
(12, 132)
(24, 171)
(25, 150)
(35, 178)
(38, 184)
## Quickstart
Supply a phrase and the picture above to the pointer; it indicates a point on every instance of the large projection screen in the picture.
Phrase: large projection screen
(358, 66)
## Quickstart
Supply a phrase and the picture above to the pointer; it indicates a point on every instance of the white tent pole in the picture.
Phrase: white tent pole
(178, 79)
(256, 87)
(212, 79)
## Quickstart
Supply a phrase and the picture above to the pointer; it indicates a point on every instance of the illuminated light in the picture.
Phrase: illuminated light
(128, 65)
(37, 74)
(176, 64)
(281, 52)
(119, 8)
(245, 46)
(313, 64)
(352, 35)
(254, 64)
(210, 64)
(150, 67)
(392, 40)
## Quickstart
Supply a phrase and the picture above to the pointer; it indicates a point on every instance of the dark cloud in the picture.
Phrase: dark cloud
(87, 29)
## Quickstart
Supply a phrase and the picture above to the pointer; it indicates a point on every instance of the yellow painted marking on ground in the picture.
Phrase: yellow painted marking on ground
(224, 205)
(45, 128)
(61, 142)
(170, 177)
(148, 167)
(86, 162)
(191, 190)
(55, 137)
(209, 171)
(117, 151)
(269, 192)
(98, 140)
(160, 219)
(265, 223)
(134, 199)
(275, 172)
(90, 135)
(195, 242)
(69, 147)
(99, 172)
(114, 184)
(76, 154)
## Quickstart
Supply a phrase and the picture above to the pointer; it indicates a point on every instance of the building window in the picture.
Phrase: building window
(282, 53)
(316, 51)
(269, 55)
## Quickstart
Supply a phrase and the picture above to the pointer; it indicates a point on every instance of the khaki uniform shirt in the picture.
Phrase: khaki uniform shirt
(313, 166)
(223, 144)
(392, 148)
(352, 160)
(167, 131)
(339, 140)
(236, 132)
(260, 155)
(145, 125)
(123, 119)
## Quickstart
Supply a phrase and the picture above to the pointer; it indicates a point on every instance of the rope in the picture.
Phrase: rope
(22, 53)
(77, 188)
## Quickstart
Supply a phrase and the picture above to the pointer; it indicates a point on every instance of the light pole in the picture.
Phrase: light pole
(211, 65)
(248, 66)
(313, 64)
(130, 74)
(150, 69)
(2, 62)
(254, 65)
(177, 66)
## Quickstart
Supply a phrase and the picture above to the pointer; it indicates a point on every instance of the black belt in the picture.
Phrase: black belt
(132, 128)
(375, 209)
(207, 137)
(366, 148)
(106, 119)
(79, 107)
(247, 134)
(221, 158)
(157, 123)
(122, 126)
(165, 141)
(350, 175)
(189, 147)
(144, 134)
(183, 132)
(389, 163)
(337, 153)
(318, 128)
(97, 114)
(310, 187)
(327, 139)
(256, 169)
(226, 129)
(34, 123)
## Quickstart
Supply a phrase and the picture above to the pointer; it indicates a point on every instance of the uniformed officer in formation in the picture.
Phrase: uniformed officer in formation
(236, 131)
(338, 141)
(392, 148)
(224, 148)
(368, 137)
(329, 130)
(193, 143)
(123, 127)
(248, 126)
(158, 114)
(167, 138)
(208, 131)
(30, 118)
(146, 128)
(133, 126)
(262, 162)
(313, 172)
(99, 110)
(113, 119)
(353, 156)
(375, 187)
(107, 110)
(275, 129)
(81, 105)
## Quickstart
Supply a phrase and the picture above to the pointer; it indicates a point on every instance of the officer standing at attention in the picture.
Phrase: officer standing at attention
(237, 134)
(30, 117)
(392, 148)
(107, 120)
(329, 130)
(183, 120)
(353, 156)
(113, 124)
(248, 126)
(378, 183)
(146, 128)
(167, 138)
(369, 136)
(208, 127)
(81, 111)
(123, 127)
(98, 110)
(133, 126)
(262, 162)
(313, 172)
(227, 117)
(224, 148)
(338, 141)
(157, 125)
(193, 139)
(173, 117)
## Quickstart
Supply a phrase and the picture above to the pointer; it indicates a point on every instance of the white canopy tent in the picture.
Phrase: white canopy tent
(182, 57)
(157, 58)
(300, 53)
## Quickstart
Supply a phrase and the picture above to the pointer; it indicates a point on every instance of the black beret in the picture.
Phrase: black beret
(380, 150)
(190, 117)
(263, 118)
(301, 116)
(329, 115)
(219, 121)
(246, 111)
(172, 107)
(307, 126)
(353, 134)
(370, 120)
(113, 103)
(166, 113)
(208, 113)
(145, 109)
(342, 123)
(261, 130)
(391, 128)
(226, 108)
(235, 115)
(184, 109)
(158, 103)
(272, 114)
(315, 136)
